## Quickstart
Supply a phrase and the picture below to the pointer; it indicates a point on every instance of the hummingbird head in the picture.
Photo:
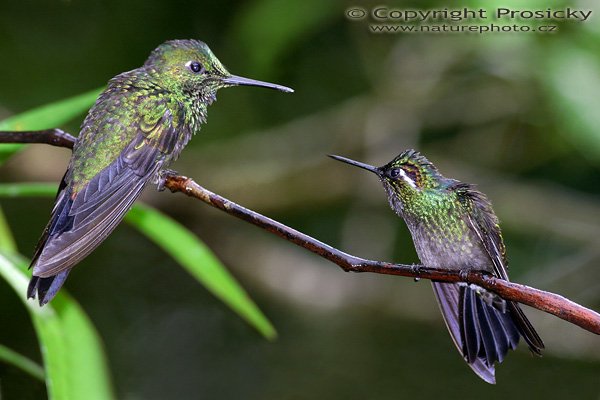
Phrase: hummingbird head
(189, 67)
(411, 172)
(406, 177)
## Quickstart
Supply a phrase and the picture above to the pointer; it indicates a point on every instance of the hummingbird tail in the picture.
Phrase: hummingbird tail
(46, 288)
(535, 343)
(480, 332)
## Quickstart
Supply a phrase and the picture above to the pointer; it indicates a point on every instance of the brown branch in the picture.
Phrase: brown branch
(539, 299)
(53, 137)
(544, 301)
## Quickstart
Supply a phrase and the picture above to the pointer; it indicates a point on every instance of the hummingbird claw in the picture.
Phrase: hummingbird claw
(464, 274)
(161, 178)
(416, 269)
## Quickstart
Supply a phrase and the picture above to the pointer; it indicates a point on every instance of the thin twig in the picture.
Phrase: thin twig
(539, 299)
(53, 137)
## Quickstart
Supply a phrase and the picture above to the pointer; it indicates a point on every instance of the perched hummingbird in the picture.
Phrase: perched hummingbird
(138, 126)
(454, 227)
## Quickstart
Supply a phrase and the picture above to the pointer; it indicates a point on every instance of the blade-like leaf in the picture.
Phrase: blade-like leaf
(25, 364)
(199, 261)
(73, 357)
(7, 242)
(28, 189)
(183, 246)
(48, 116)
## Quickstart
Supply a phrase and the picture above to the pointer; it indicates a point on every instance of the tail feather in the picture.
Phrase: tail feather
(46, 288)
(496, 341)
(470, 328)
(480, 332)
(535, 343)
(448, 300)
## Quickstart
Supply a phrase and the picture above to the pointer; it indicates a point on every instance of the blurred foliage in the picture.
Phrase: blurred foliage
(200, 262)
(287, 24)
(49, 116)
(25, 364)
(74, 362)
(514, 113)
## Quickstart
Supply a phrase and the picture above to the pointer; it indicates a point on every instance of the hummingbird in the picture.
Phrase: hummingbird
(454, 227)
(137, 127)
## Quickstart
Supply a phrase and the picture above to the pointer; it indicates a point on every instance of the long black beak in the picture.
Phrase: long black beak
(238, 80)
(368, 167)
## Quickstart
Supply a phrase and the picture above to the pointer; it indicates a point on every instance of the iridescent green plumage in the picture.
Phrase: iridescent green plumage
(138, 127)
(454, 227)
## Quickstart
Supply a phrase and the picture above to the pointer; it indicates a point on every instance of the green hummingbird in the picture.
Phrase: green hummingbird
(454, 227)
(138, 126)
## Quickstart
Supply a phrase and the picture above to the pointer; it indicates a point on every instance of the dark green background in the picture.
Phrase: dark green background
(516, 113)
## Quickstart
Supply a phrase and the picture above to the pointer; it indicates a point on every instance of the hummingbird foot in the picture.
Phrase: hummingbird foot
(463, 274)
(416, 269)
(161, 178)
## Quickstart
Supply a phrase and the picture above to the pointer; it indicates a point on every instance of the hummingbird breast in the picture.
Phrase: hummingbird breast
(440, 248)
(442, 237)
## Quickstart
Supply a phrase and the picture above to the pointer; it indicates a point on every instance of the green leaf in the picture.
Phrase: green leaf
(45, 117)
(28, 190)
(7, 242)
(51, 115)
(73, 357)
(72, 351)
(199, 261)
(183, 246)
(25, 364)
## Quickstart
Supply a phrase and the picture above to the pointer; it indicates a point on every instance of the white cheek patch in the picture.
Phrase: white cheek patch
(406, 179)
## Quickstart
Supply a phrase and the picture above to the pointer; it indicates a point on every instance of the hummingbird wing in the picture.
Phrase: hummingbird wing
(83, 218)
(483, 221)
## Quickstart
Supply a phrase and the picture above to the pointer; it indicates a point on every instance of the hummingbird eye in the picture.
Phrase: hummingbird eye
(394, 173)
(405, 173)
(195, 67)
